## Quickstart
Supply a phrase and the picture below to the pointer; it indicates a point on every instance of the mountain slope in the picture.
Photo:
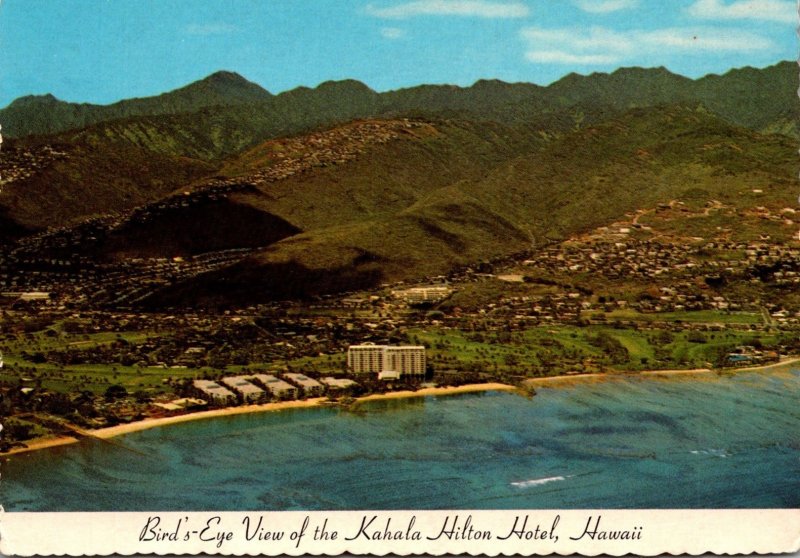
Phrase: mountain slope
(354, 174)
(760, 99)
(646, 156)
(44, 114)
(586, 179)
(58, 184)
(197, 225)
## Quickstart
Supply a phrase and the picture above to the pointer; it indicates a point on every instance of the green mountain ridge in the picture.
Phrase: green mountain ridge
(45, 114)
(749, 97)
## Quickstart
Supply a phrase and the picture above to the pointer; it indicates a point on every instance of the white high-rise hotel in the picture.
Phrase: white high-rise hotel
(381, 359)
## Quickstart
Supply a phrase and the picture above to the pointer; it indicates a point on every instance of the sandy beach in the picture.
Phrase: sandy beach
(120, 429)
(555, 381)
(42, 443)
(451, 390)
(783, 362)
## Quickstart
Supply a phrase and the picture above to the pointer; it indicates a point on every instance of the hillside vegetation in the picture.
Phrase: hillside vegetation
(62, 182)
(357, 237)
(340, 187)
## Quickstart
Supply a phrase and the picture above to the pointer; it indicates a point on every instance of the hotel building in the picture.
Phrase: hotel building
(278, 388)
(214, 393)
(250, 393)
(386, 360)
(420, 295)
(309, 385)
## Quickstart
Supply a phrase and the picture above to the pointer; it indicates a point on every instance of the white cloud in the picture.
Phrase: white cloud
(598, 46)
(464, 8)
(210, 28)
(783, 11)
(605, 6)
(714, 40)
(591, 39)
(392, 33)
(561, 57)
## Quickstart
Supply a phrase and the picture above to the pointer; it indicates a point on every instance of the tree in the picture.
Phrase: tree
(115, 391)
(696, 337)
(141, 396)
(58, 404)
(511, 360)
(14, 430)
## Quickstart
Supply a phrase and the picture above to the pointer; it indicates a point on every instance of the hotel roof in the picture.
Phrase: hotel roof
(212, 388)
(272, 383)
(241, 384)
(337, 382)
(303, 380)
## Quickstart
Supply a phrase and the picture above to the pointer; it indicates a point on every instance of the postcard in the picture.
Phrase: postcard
(371, 277)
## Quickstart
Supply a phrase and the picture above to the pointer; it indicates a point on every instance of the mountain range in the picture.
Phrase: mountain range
(762, 99)
(340, 187)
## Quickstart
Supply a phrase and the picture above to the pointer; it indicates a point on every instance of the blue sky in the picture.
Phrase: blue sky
(101, 51)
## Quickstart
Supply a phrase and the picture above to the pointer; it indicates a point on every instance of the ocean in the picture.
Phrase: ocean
(705, 441)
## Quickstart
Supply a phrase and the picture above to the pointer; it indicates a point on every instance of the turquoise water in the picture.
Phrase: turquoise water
(729, 441)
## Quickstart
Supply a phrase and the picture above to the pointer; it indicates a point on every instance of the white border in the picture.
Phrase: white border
(649, 532)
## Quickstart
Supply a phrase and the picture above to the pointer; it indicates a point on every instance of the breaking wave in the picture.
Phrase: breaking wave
(537, 482)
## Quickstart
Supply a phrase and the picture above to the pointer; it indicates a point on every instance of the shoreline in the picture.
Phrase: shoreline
(42, 443)
(146, 424)
(598, 376)
(787, 361)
